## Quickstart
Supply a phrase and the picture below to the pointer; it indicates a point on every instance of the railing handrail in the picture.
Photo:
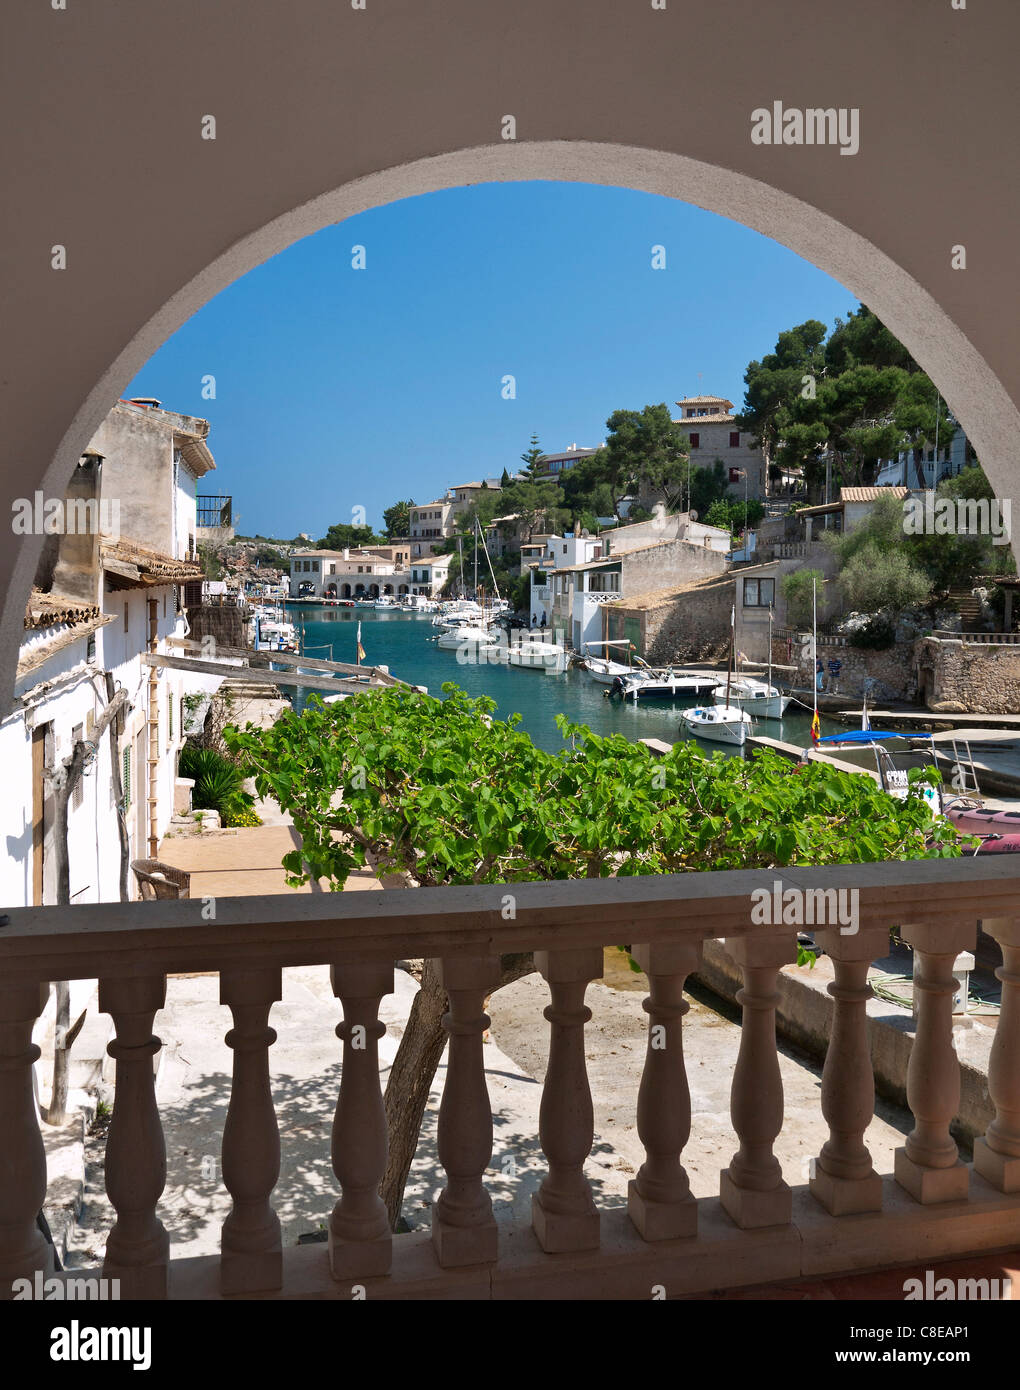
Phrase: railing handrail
(129, 939)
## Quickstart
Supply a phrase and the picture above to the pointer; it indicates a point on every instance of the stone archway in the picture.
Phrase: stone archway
(346, 591)
(977, 397)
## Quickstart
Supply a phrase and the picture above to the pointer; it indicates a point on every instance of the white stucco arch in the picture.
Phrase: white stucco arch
(973, 392)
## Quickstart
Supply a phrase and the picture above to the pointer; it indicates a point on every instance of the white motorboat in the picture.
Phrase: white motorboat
(765, 701)
(719, 723)
(665, 684)
(273, 634)
(602, 668)
(466, 638)
(387, 601)
(535, 654)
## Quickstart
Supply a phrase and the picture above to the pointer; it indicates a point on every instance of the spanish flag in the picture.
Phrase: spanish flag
(361, 649)
(815, 729)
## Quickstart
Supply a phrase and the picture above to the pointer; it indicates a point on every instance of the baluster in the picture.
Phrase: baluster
(23, 1249)
(138, 1247)
(752, 1188)
(360, 1242)
(844, 1180)
(563, 1213)
(251, 1256)
(463, 1226)
(929, 1166)
(997, 1155)
(659, 1199)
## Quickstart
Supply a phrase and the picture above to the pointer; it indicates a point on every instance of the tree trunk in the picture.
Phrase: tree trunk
(414, 1068)
(56, 1112)
(407, 1091)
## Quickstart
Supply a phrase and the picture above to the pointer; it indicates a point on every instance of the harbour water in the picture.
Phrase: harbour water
(403, 643)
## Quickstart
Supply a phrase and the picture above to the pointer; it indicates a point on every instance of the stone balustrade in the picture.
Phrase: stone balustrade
(763, 1226)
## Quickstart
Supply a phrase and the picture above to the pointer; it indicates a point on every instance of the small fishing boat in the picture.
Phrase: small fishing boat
(535, 654)
(602, 669)
(718, 723)
(387, 602)
(664, 684)
(764, 700)
(466, 638)
(725, 722)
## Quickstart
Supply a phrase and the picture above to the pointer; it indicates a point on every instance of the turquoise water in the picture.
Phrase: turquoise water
(402, 642)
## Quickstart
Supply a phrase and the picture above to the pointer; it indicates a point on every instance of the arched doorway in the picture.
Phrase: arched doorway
(346, 591)
(978, 399)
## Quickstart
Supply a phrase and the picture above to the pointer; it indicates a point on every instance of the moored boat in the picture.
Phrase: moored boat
(718, 723)
(757, 697)
(666, 684)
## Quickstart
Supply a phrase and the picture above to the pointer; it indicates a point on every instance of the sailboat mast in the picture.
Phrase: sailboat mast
(729, 663)
(771, 613)
(815, 642)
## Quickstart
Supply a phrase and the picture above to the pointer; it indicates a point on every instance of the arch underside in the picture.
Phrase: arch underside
(977, 398)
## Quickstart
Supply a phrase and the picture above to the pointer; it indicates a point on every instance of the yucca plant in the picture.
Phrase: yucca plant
(219, 783)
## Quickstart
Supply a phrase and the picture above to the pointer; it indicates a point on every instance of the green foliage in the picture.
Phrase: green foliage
(530, 458)
(878, 579)
(878, 564)
(708, 485)
(644, 447)
(539, 506)
(859, 397)
(731, 515)
(212, 565)
(397, 520)
(219, 784)
(798, 591)
(343, 536)
(442, 790)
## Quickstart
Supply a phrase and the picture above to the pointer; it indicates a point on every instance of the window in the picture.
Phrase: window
(759, 593)
(695, 440)
(734, 439)
(127, 624)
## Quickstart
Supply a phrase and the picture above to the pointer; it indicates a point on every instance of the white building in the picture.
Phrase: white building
(428, 576)
(346, 574)
(925, 468)
(573, 578)
(104, 596)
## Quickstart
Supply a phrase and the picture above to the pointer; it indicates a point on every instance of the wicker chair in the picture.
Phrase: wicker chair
(159, 880)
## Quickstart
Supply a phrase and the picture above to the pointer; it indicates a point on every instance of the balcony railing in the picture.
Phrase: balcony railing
(759, 1228)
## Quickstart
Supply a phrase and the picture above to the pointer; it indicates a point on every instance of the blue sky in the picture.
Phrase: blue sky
(339, 388)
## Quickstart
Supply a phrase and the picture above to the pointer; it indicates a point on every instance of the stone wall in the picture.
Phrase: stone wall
(956, 677)
(888, 675)
(682, 625)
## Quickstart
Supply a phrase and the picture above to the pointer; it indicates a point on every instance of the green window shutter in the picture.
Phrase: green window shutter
(125, 775)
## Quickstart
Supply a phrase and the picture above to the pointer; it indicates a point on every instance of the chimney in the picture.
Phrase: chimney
(76, 572)
(347, 552)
